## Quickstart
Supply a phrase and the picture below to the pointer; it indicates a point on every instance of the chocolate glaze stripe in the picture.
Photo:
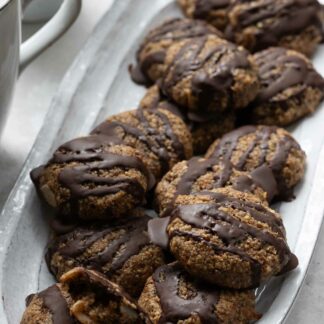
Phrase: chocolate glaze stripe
(80, 240)
(289, 18)
(203, 7)
(54, 301)
(254, 265)
(257, 211)
(210, 217)
(174, 307)
(295, 72)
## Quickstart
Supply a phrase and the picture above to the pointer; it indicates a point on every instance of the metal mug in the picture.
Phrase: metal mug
(14, 56)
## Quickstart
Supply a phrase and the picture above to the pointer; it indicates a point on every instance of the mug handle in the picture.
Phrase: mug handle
(48, 34)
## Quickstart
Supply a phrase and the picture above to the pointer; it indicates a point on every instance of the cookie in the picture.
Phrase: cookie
(83, 296)
(290, 88)
(208, 75)
(215, 12)
(203, 131)
(121, 251)
(229, 238)
(160, 136)
(250, 147)
(90, 178)
(172, 296)
(258, 24)
(152, 52)
(199, 174)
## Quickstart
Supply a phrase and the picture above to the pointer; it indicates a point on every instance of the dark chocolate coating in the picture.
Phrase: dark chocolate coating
(287, 17)
(174, 307)
(211, 217)
(171, 31)
(152, 137)
(228, 143)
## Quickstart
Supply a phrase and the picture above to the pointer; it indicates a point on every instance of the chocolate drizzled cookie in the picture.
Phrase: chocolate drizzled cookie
(290, 87)
(203, 130)
(93, 178)
(214, 12)
(199, 174)
(209, 75)
(121, 251)
(160, 136)
(250, 147)
(171, 296)
(82, 296)
(293, 24)
(228, 238)
(152, 52)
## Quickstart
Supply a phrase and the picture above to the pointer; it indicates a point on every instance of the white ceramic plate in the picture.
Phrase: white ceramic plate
(98, 85)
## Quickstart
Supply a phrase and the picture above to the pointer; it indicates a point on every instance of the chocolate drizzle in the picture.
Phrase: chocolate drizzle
(152, 137)
(174, 30)
(73, 245)
(53, 300)
(176, 308)
(212, 217)
(207, 84)
(280, 70)
(90, 157)
(228, 144)
(288, 17)
(203, 7)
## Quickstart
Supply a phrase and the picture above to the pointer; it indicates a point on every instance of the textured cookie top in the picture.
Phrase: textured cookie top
(152, 51)
(159, 135)
(284, 73)
(271, 20)
(92, 166)
(198, 174)
(232, 222)
(208, 66)
(249, 147)
(103, 247)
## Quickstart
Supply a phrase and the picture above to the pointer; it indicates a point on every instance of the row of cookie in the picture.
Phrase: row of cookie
(258, 24)
(170, 295)
(208, 80)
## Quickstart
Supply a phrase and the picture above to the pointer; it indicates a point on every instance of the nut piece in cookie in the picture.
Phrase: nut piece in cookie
(229, 238)
(214, 12)
(152, 52)
(200, 174)
(172, 296)
(161, 137)
(250, 147)
(121, 251)
(203, 130)
(294, 24)
(290, 87)
(90, 178)
(208, 75)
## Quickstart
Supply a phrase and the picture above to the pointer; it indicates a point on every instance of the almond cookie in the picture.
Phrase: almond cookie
(208, 75)
(290, 87)
(89, 178)
(121, 251)
(160, 136)
(172, 296)
(203, 131)
(229, 238)
(152, 52)
(199, 174)
(250, 147)
(258, 24)
(83, 296)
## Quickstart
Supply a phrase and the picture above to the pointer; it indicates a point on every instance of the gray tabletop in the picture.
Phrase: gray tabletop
(35, 89)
